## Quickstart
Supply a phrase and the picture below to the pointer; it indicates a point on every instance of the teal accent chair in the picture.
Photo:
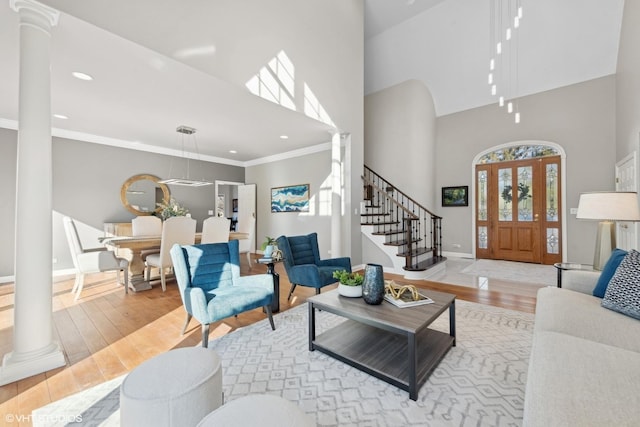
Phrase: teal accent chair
(211, 287)
(303, 265)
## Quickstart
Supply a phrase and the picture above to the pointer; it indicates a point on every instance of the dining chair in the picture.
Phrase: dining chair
(88, 261)
(211, 287)
(215, 229)
(146, 226)
(303, 265)
(247, 226)
(179, 230)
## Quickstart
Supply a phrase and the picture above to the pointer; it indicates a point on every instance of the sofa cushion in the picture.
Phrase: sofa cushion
(577, 382)
(608, 271)
(623, 292)
(575, 313)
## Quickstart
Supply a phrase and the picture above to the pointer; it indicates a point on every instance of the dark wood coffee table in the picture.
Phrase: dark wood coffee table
(391, 343)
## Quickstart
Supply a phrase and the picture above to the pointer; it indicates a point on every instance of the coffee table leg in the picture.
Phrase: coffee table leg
(452, 321)
(413, 380)
(312, 325)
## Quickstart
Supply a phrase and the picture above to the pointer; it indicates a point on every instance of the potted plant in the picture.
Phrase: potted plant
(268, 246)
(350, 284)
(171, 208)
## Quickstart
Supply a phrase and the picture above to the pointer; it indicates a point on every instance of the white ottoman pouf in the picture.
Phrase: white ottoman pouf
(176, 388)
(264, 410)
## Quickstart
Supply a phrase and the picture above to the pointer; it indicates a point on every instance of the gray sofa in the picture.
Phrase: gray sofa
(584, 368)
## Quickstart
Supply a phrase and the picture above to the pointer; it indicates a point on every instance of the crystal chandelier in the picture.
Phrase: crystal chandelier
(505, 17)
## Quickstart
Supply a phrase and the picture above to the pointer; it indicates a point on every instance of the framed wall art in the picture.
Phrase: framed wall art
(293, 198)
(455, 196)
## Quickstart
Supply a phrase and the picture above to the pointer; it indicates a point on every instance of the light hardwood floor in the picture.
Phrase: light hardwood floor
(106, 333)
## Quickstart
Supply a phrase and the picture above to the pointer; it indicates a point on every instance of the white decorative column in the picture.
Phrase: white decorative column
(336, 195)
(34, 350)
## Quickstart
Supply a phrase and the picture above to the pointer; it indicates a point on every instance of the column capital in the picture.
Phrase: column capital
(35, 14)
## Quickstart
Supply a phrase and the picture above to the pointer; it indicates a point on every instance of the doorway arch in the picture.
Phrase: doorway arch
(562, 185)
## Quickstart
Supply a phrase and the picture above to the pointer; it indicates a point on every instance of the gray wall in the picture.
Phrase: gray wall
(628, 82)
(580, 118)
(87, 178)
(8, 155)
(313, 169)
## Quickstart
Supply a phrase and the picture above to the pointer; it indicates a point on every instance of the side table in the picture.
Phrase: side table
(562, 266)
(270, 263)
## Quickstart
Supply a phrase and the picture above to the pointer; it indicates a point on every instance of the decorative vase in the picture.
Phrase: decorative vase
(350, 291)
(373, 285)
(268, 251)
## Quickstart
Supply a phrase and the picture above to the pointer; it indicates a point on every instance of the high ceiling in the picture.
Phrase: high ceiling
(185, 68)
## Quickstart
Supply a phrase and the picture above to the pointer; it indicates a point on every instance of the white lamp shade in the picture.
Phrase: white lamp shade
(609, 206)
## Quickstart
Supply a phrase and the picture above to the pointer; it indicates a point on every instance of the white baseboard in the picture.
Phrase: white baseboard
(54, 273)
(457, 255)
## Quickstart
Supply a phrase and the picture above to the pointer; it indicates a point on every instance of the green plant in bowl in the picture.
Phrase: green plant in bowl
(348, 279)
(269, 241)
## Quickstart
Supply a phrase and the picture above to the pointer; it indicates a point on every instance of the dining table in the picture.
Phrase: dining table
(132, 248)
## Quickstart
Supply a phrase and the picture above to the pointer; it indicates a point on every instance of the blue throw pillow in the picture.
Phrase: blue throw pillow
(623, 292)
(607, 272)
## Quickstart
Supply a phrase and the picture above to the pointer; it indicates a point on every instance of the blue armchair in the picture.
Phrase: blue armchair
(303, 264)
(211, 287)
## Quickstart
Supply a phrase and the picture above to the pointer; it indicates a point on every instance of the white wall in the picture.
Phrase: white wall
(328, 56)
(400, 130)
(628, 82)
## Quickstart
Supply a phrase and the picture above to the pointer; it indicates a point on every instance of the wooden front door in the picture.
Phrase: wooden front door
(518, 210)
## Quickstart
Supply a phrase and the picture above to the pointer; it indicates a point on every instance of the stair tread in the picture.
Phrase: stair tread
(426, 264)
(416, 252)
(376, 214)
(380, 223)
(387, 232)
(400, 242)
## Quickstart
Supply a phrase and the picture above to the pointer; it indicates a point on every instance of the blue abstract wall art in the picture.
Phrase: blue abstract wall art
(294, 198)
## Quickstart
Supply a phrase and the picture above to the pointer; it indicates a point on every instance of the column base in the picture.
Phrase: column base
(18, 366)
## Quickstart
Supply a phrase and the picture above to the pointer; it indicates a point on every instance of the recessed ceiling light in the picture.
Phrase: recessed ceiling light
(284, 137)
(233, 151)
(81, 76)
(60, 116)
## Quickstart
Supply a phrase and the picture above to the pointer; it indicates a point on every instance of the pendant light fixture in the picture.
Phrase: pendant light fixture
(187, 133)
(505, 17)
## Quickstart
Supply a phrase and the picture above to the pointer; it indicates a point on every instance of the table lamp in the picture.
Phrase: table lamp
(607, 207)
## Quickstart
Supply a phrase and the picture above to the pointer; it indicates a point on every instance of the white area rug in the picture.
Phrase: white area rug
(513, 271)
(480, 382)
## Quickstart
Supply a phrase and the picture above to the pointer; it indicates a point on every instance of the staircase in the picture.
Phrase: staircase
(407, 232)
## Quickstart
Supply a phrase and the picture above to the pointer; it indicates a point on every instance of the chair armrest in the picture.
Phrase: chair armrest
(344, 262)
(195, 303)
(94, 250)
(580, 280)
(262, 280)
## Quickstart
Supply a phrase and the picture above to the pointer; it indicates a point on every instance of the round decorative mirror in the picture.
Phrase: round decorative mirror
(140, 193)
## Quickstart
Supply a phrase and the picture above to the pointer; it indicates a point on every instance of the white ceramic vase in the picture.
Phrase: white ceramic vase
(349, 291)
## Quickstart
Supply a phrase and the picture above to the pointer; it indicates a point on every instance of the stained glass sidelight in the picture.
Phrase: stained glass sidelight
(482, 195)
(553, 241)
(505, 208)
(525, 194)
(552, 192)
(483, 238)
